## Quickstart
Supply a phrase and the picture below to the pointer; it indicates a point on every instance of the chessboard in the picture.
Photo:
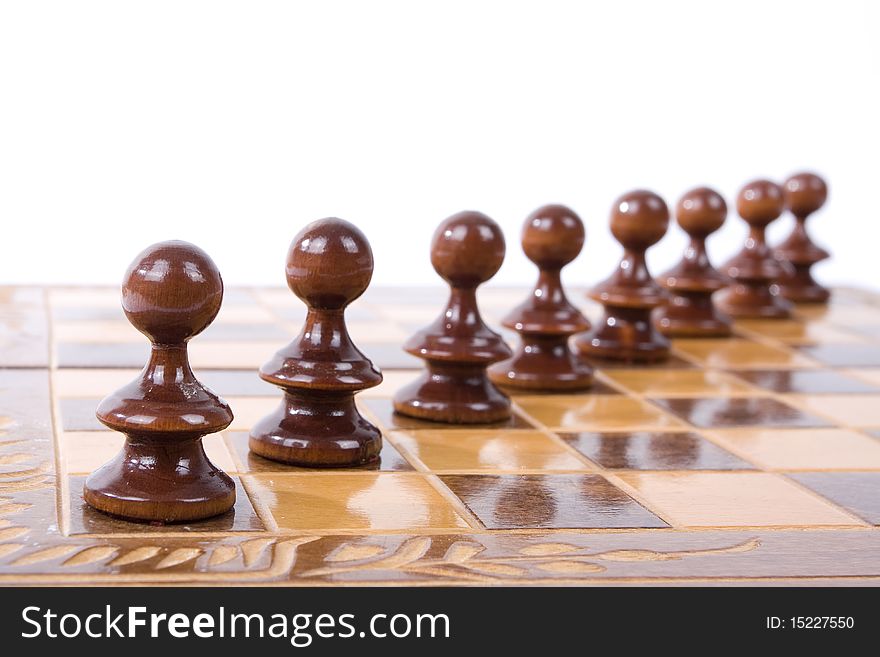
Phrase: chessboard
(754, 459)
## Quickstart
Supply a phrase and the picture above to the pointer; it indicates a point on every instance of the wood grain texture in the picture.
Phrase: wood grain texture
(466, 251)
(317, 424)
(639, 220)
(754, 270)
(171, 292)
(552, 237)
(805, 193)
(729, 505)
(690, 311)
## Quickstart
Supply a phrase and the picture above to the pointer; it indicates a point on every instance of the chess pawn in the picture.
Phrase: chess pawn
(171, 292)
(692, 282)
(329, 265)
(639, 220)
(552, 237)
(804, 194)
(466, 251)
(754, 268)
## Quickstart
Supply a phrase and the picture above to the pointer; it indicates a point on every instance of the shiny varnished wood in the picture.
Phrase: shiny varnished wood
(805, 193)
(844, 355)
(690, 311)
(552, 237)
(858, 492)
(383, 410)
(318, 531)
(754, 269)
(806, 381)
(653, 450)
(719, 499)
(329, 265)
(712, 412)
(639, 220)
(466, 251)
(557, 500)
(171, 293)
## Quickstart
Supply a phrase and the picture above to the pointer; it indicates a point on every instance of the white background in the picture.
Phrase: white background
(233, 124)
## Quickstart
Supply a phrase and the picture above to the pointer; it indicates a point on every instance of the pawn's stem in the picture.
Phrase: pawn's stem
(168, 362)
(324, 329)
(756, 238)
(549, 288)
(461, 309)
(695, 254)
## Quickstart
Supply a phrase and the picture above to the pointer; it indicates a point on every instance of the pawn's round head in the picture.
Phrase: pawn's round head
(805, 193)
(171, 292)
(552, 236)
(701, 211)
(639, 219)
(760, 202)
(467, 249)
(329, 264)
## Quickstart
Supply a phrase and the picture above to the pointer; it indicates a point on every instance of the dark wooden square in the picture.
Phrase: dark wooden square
(868, 330)
(598, 387)
(85, 520)
(806, 381)
(389, 356)
(845, 355)
(383, 410)
(672, 363)
(714, 412)
(549, 501)
(858, 492)
(237, 332)
(79, 415)
(644, 450)
(236, 383)
(83, 355)
(390, 460)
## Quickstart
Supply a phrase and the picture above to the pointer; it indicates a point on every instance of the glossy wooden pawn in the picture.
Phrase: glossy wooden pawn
(552, 237)
(171, 292)
(754, 268)
(466, 251)
(690, 313)
(639, 220)
(317, 424)
(805, 193)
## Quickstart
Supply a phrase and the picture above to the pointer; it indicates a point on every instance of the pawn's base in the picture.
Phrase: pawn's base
(753, 301)
(456, 394)
(624, 334)
(691, 315)
(320, 429)
(154, 480)
(543, 363)
(801, 287)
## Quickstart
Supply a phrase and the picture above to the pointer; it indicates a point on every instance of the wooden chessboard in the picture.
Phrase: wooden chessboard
(754, 459)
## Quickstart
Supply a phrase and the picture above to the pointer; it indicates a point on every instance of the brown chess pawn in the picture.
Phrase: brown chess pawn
(551, 238)
(172, 292)
(804, 194)
(754, 269)
(639, 220)
(329, 265)
(692, 282)
(467, 250)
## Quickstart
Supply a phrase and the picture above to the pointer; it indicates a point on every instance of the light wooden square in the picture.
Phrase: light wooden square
(733, 499)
